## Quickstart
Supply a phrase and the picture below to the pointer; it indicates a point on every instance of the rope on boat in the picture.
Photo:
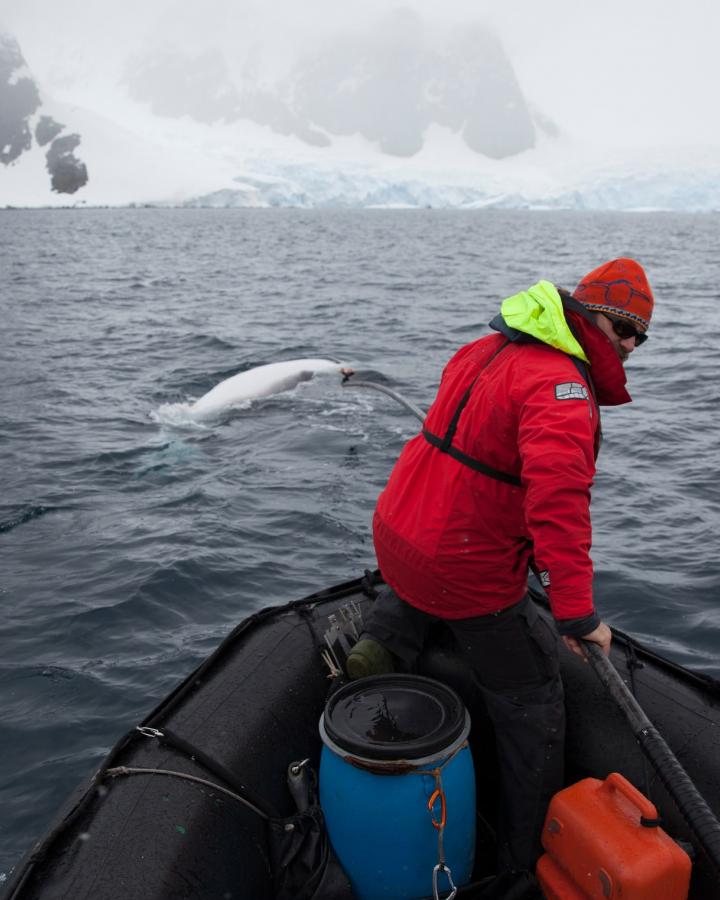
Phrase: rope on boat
(698, 816)
(439, 794)
(403, 401)
(169, 739)
(131, 770)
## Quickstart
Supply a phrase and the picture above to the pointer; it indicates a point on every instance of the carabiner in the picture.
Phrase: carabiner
(441, 867)
(438, 792)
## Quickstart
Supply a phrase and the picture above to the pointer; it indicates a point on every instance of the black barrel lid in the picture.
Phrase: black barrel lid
(394, 717)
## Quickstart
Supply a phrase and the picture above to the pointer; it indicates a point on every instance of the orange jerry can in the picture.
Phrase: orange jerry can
(598, 849)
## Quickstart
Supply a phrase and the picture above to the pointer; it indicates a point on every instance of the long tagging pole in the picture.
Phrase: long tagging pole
(700, 819)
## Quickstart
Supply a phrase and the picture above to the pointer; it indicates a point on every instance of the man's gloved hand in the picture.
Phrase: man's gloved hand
(600, 635)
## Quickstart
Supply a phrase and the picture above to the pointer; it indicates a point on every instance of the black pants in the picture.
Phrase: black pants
(513, 654)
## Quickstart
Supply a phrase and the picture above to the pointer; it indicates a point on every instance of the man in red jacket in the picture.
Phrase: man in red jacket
(497, 481)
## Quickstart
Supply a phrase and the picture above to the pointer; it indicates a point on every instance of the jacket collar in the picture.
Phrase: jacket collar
(606, 368)
(538, 312)
(542, 315)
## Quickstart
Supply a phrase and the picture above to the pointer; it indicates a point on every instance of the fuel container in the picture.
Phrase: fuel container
(602, 844)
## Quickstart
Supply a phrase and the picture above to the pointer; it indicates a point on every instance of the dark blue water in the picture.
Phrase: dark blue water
(129, 548)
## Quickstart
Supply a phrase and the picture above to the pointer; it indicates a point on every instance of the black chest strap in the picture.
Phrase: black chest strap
(470, 461)
(445, 444)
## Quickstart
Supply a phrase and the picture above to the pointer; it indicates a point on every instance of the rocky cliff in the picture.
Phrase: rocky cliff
(388, 83)
(23, 121)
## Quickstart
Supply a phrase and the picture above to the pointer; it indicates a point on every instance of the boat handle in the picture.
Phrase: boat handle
(149, 732)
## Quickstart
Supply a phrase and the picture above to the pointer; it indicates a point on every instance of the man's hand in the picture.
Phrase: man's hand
(601, 636)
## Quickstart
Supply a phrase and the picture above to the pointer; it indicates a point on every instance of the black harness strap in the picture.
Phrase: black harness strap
(470, 461)
(444, 444)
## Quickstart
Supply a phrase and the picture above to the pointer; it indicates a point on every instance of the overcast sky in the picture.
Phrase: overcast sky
(620, 72)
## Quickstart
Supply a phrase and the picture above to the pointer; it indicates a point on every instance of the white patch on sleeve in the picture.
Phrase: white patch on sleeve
(571, 390)
(544, 578)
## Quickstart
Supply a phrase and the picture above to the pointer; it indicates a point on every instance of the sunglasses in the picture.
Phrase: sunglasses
(624, 330)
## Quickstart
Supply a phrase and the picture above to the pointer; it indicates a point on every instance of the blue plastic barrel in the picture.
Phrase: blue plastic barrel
(390, 743)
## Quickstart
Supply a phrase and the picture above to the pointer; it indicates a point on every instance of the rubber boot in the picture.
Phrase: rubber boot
(368, 657)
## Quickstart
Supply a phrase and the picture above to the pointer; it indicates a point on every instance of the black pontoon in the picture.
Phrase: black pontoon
(185, 805)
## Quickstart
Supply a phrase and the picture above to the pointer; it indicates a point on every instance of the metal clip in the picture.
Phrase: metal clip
(149, 732)
(297, 767)
(438, 793)
(441, 867)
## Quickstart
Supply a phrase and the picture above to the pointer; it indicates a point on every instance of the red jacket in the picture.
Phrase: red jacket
(456, 542)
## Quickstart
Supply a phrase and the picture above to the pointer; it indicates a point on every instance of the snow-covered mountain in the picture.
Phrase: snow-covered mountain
(393, 113)
(387, 84)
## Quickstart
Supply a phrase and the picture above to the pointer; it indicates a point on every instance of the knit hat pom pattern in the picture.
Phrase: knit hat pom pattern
(620, 288)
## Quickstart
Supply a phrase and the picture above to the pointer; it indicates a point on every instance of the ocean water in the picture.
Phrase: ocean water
(132, 540)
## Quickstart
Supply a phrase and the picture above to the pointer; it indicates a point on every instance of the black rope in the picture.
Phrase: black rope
(135, 770)
(175, 742)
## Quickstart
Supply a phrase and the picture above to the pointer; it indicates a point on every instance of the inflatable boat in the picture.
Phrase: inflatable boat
(198, 800)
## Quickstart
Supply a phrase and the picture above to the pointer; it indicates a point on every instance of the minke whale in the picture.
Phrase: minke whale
(261, 381)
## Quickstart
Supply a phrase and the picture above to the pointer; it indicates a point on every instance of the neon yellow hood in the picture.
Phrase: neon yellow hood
(538, 311)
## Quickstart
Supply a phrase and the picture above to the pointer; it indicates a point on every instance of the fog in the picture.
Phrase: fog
(616, 74)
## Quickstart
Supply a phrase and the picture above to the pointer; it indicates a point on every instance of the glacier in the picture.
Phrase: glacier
(144, 160)
(628, 187)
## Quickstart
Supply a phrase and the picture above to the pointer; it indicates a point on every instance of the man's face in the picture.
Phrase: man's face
(623, 346)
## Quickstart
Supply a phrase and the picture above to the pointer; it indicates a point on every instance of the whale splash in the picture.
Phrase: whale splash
(239, 390)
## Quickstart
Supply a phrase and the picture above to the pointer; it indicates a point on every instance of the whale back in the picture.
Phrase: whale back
(261, 381)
